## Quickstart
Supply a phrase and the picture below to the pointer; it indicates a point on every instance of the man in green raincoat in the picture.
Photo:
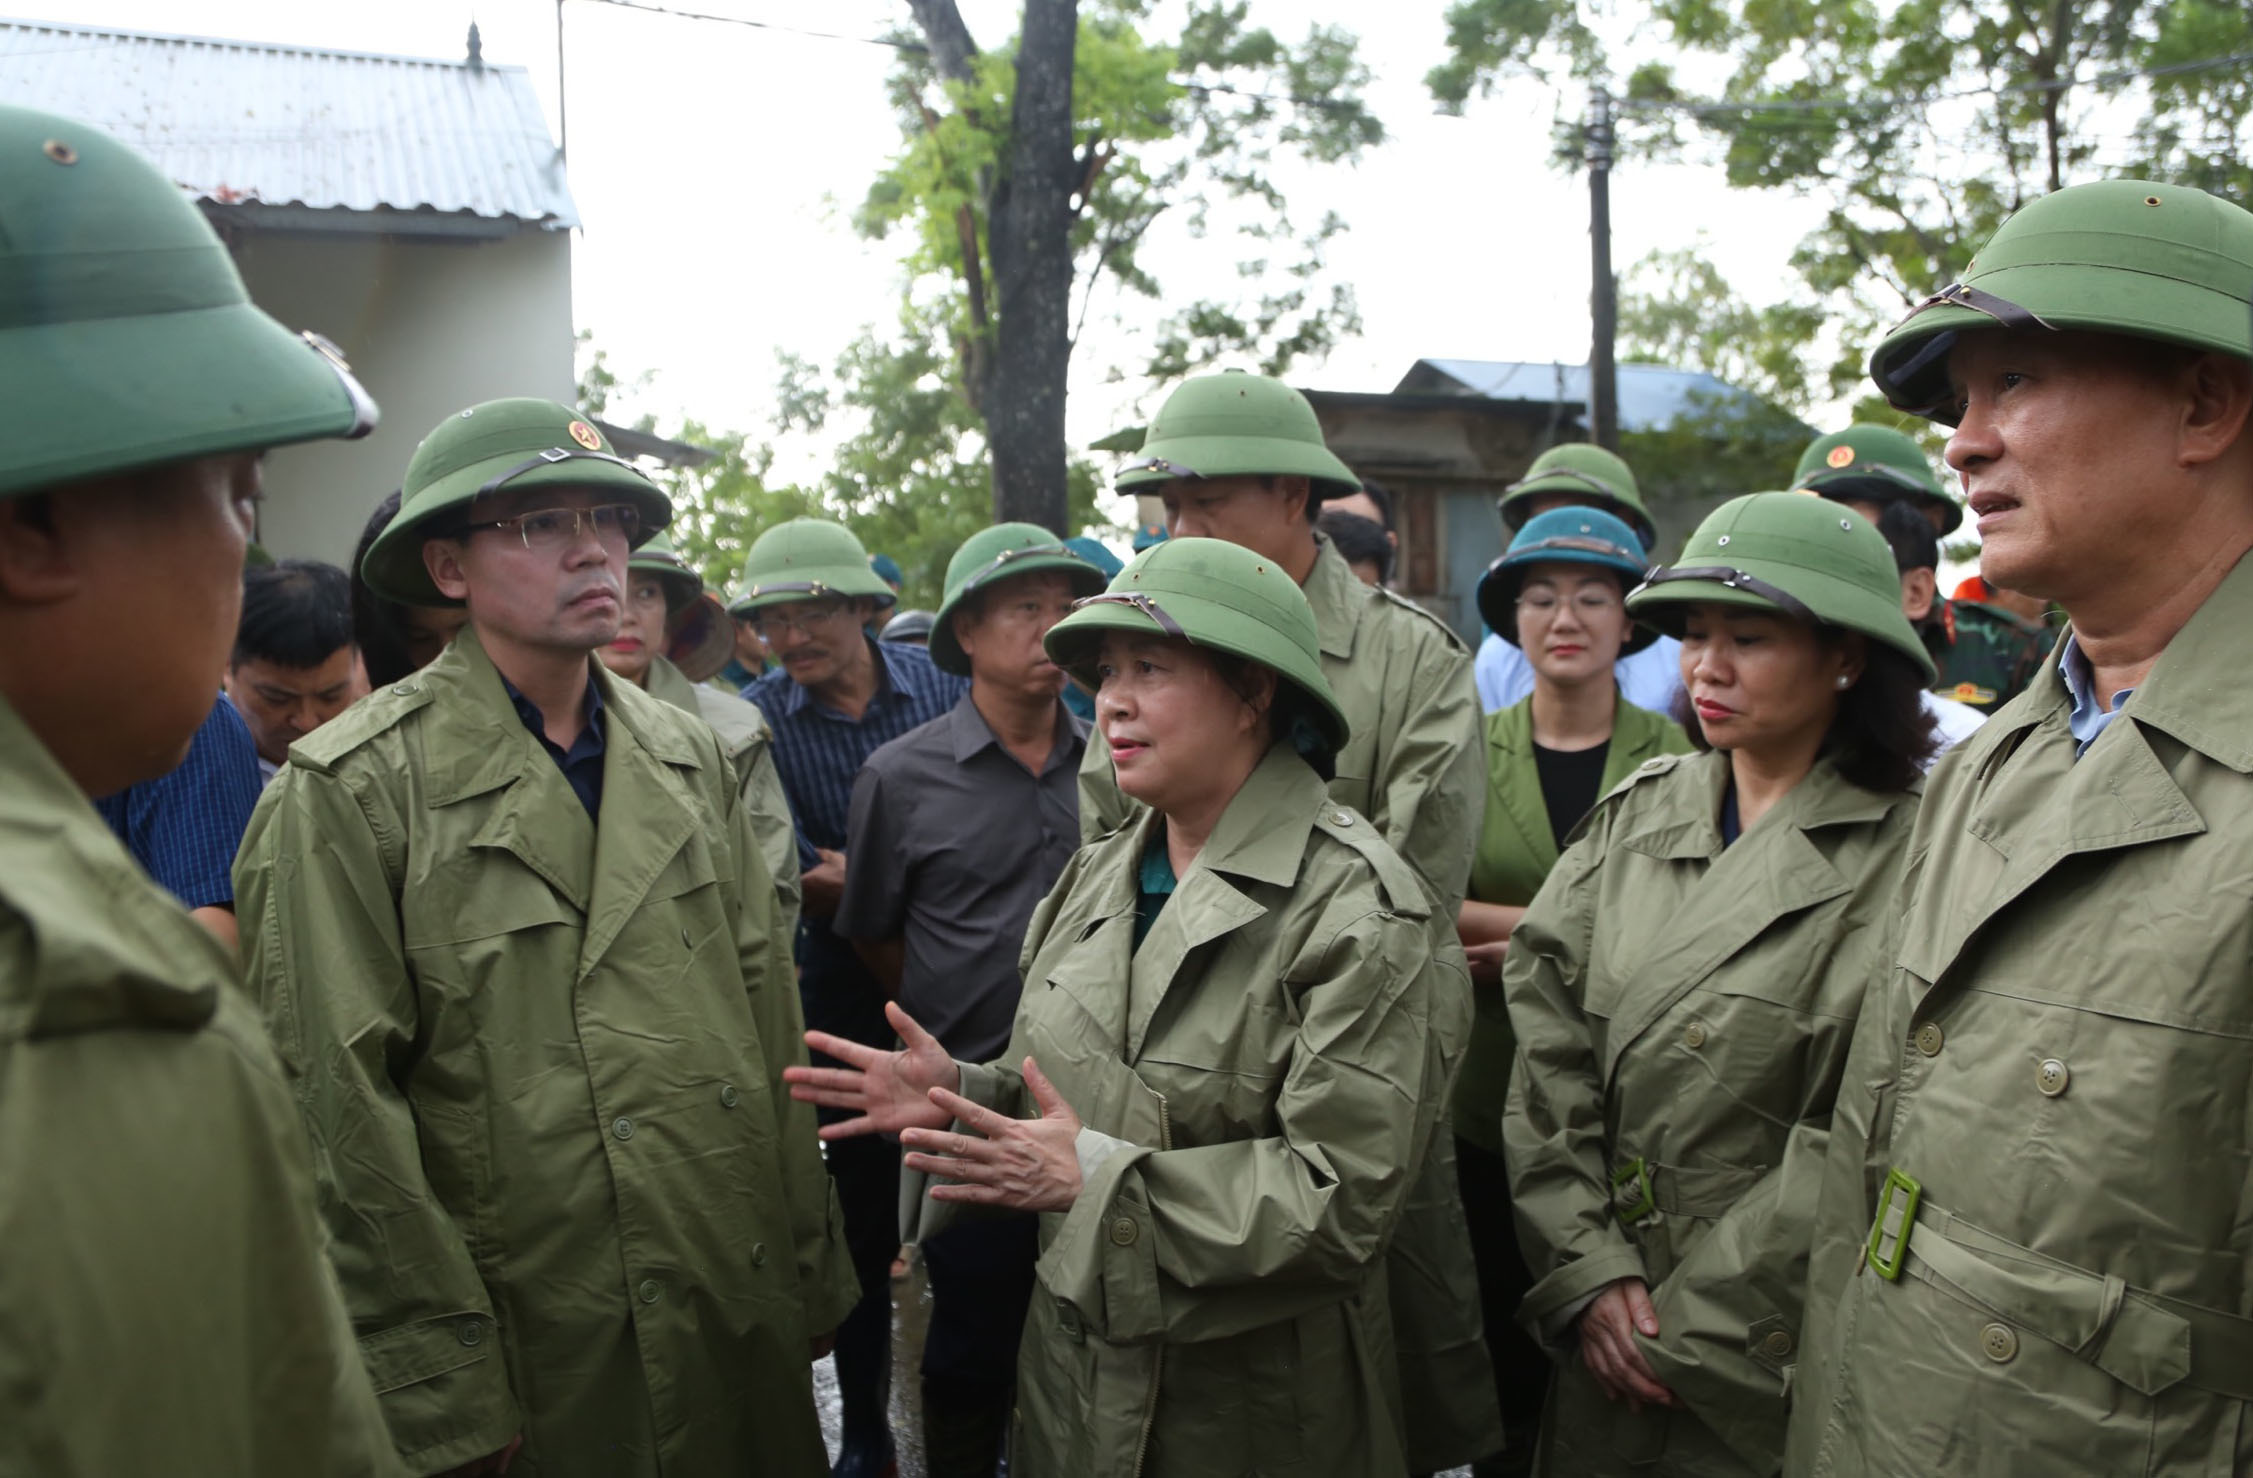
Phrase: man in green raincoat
(509, 919)
(2033, 1255)
(1241, 457)
(166, 1305)
(673, 636)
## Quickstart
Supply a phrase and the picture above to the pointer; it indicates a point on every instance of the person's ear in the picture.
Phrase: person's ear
(2219, 395)
(1919, 589)
(1305, 490)
(38, 564)
(442, 558)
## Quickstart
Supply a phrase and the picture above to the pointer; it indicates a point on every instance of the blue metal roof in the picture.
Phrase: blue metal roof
(246, 123)
(1650, 395)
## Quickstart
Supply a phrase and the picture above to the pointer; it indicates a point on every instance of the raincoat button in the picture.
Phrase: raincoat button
(622, 1127)
(728, 1097)
(2052, 1077)
(649, 1290)
(1341, 818)
(404, 689)
(471, 1332)
(1693, 1035)
(1124, 1231)
(758, 1254)
(1777, 1345)
(1998, 1343)
(1929, 1038)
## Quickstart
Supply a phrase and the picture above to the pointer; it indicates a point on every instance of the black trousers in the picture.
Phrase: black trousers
(981, 1272)
(1521, 1370)
(866, 1172)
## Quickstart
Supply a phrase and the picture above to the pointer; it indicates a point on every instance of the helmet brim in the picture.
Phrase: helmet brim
(1834, 601)
(815, 582)
(93, 397)
(947, 653)
(700, 637)
(393, 567)
(1073, 643)
(1238, 456)
(1514, 510)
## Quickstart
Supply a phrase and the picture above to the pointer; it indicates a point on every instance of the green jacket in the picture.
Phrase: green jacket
(1683, 1016)
(542, 1073)
(1413, 768)
(1987, 655)
(166, 1303)
(744, 734)
(1215, 1301)
(2063, 1060)
(1517, 848)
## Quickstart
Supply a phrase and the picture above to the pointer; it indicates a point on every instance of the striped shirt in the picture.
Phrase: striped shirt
(183, 827)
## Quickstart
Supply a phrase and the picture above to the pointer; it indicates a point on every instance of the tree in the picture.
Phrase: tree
(1918, 124)
(1032, 175)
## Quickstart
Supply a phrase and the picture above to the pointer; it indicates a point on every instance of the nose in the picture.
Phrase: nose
(1976, 439)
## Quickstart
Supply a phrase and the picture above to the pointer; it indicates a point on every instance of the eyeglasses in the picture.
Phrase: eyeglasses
(553, 530)
(800, 616)
(1586, 602)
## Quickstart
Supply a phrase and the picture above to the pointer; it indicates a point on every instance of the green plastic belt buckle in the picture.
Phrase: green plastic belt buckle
(1633, 1173)
(1887, 1265)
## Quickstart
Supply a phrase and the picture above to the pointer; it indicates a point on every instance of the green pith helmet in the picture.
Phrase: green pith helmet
(1587, 536)
(126, 337)
(807, 559)
(1786, 552)
(1214, 594)
(1591, 477)
(699, 636)
(1874, 464)
(997, 553)
(501, 445)
(2127, 257)
(1238, 425)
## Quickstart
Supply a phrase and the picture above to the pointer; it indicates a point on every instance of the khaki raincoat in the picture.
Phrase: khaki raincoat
(1215, 1301)
(1683, 1014)
(166, 1302)
(2062, 1061)
(1413, 767)
(542, 1066)
(749, 742)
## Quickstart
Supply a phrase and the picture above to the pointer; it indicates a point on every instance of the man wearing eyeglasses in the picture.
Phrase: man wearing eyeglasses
(510, 919)
(835, 696)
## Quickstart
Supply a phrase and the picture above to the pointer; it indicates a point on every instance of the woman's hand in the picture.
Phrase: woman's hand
(1023, 1164)
(892, 1090)
(1485, 961)
(1607, 1345)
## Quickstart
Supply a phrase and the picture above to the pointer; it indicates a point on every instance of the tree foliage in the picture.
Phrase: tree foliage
(1918, 125)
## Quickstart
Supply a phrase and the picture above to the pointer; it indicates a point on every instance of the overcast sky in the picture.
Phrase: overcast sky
(713, 165)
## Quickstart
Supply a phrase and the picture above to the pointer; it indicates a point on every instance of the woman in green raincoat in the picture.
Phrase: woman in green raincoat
(1558, 594)
(1684, 986)
(1223, 1069)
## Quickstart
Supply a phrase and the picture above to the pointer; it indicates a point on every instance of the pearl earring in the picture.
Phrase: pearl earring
(1844, 682)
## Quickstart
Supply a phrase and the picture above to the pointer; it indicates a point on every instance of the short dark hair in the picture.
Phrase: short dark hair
(1882, 734)
(297, 613)
(379, 623)
(1379, 494)
(1915, 545)
(1285, 710)
(1359, 539)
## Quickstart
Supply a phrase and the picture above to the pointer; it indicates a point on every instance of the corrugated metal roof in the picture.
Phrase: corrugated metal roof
(242, 122)
(1650, 395)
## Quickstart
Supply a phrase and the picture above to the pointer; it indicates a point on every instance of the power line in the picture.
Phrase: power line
(2100, 81)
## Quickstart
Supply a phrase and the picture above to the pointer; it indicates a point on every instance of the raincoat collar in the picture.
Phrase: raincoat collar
(1690, 826)
(1513, 783)
(1338, 596)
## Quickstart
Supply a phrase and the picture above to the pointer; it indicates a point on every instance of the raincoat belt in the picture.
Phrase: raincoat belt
(2145, 1340)
(1643, 1187)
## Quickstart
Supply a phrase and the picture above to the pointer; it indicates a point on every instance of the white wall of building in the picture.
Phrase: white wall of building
(430, 328)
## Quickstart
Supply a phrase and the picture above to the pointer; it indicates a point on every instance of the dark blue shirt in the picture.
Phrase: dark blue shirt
(817, 752)
(582, 762)
(183, 828)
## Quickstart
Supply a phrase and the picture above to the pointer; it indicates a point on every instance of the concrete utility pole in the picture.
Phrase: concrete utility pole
(1603, 291)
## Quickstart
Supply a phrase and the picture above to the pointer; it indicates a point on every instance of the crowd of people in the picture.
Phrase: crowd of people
(1752, 1014)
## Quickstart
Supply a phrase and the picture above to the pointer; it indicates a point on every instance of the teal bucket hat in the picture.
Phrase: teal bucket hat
(1564, 536)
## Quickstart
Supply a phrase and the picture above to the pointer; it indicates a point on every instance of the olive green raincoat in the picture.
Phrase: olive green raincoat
(745, 735)
(1413, 767)
(1215, 1302)
(542, 1066)
(166, 1304)
(1517, 848)
(1683, 1014)
(2062, 1062)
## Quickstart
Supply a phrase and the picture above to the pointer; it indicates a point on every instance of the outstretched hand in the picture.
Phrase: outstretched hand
(891, 1090)
(1022, 1164)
